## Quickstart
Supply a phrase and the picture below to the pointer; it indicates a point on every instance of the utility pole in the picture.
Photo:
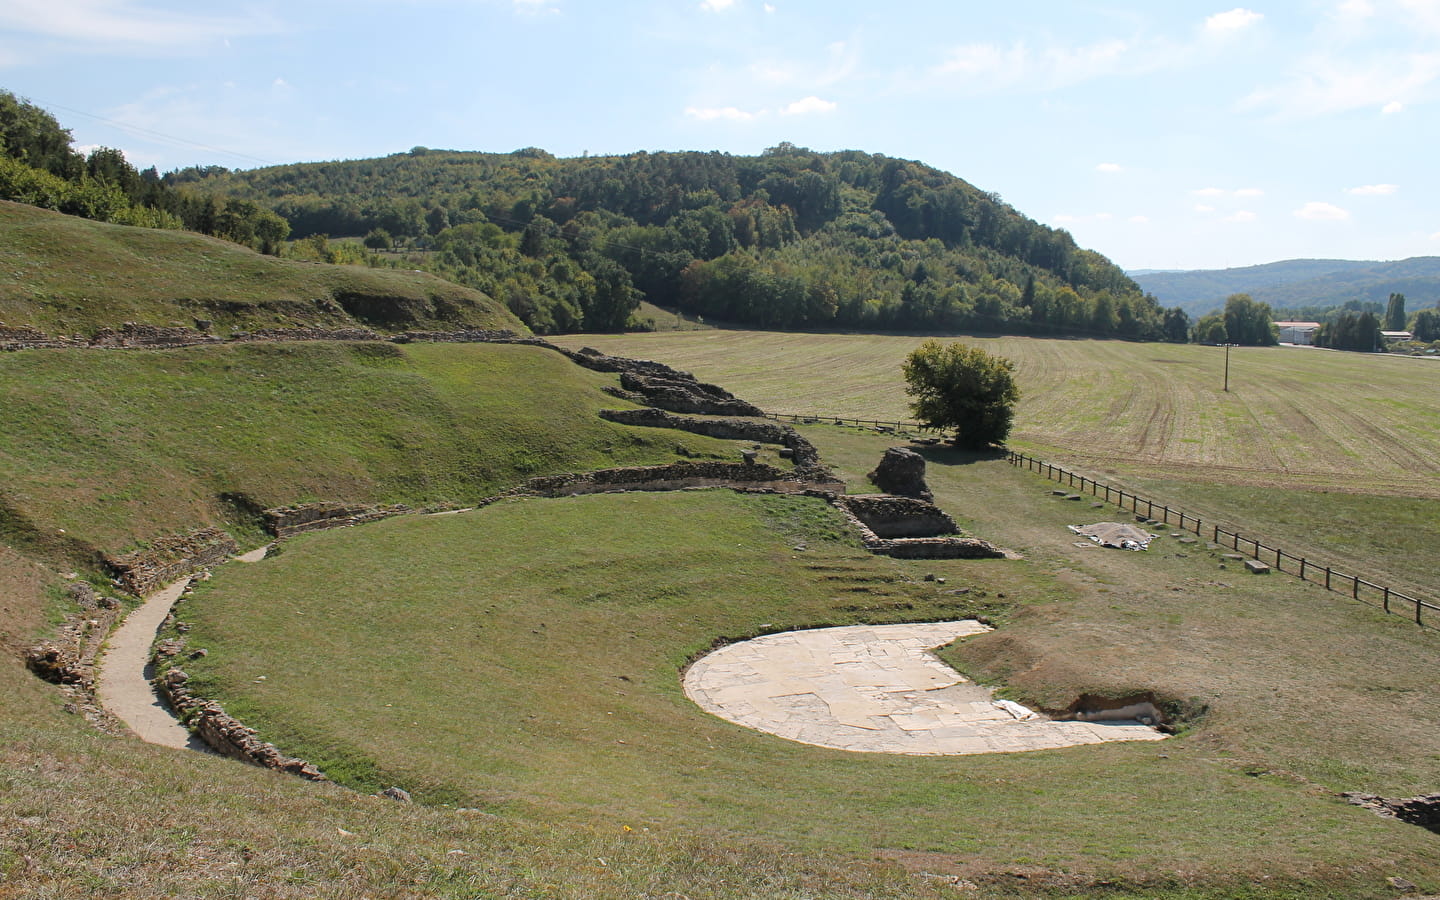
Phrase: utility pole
(1227, 366)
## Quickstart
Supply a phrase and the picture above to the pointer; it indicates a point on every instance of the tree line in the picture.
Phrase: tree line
(790, 238)
(39, 167)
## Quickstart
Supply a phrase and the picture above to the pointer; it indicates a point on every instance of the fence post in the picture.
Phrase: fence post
(1277, 559)
(1418, 607)
(1355, 587)
(1386, 602)
(1327, 578)
(1302, 568)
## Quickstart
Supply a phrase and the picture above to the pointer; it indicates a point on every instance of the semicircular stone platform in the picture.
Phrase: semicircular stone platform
(878, 689)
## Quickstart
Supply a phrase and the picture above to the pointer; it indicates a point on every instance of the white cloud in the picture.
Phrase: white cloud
(991, 65)
(1103, 217)
(713, 113)
(1237, 19)
(1373, 190)
(1324, 83)
(1316, 211)
(1355, 9)
(1109, 168)
(535, 7)
(1435, 236)
(1204, 208)
(125, 24)
(1209, 192)
(1140, 220)
(808, 106)
(1249, 192)
(768, 9)
(1243, 215)
(716, 5)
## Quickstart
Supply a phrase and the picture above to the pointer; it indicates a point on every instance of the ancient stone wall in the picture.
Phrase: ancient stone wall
(900, 517)
(286, 521)
(135, 336)
(1423, 810)
(806, 457)
(225, 734)
(673, 477)
(69, 657)
(24, 337)
(171, 558)
(473, 336)
(890, 511)
(280, 335)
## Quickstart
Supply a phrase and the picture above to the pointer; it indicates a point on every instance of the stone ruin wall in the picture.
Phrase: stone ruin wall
(930, 530)
(900, 517)
(287, 521)
(225, 734)
(673, 477)
(171, 558)
(804, 454)
(25, 337)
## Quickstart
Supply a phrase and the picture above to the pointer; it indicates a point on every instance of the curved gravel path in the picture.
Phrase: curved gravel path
(124, 688)
(123, 684)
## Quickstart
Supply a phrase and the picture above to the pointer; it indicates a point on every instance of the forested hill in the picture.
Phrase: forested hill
(1301, 283)
(790, 238)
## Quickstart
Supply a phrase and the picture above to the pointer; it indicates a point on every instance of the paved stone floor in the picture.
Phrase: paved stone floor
(878, 689)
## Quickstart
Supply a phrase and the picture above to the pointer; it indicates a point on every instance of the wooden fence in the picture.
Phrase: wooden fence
(1388, 599)
(884, 425)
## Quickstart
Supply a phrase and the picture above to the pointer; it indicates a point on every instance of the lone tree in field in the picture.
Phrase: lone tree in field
(964, 388)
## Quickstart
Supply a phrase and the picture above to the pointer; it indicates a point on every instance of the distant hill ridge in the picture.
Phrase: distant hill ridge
(790, 238)
(1298, 283)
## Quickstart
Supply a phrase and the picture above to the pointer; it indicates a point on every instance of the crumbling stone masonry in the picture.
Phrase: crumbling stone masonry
(224, 733)
(286, 521)
(806, 457)
(171, 558)
(673, 477)
(904, 523)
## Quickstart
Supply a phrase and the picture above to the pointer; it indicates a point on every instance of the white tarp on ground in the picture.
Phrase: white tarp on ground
(1115, 534)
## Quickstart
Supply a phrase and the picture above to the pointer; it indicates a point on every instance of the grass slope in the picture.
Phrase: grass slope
(67, 275)
(525, 659)
(1331, 454)
(1303, 418)
(118, 447)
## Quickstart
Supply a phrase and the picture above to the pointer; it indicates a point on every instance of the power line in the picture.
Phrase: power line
(150, 132)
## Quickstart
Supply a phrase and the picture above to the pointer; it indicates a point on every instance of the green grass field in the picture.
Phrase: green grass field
(116, 448)
(1293, 417)
(66, 275)
(499, 637)
(552, 693)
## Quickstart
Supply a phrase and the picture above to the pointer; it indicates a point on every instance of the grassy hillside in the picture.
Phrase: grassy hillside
(499, 638)
(67, 275)
(554, 694)
(1299, 418)
(1331, 455)
(118, 447)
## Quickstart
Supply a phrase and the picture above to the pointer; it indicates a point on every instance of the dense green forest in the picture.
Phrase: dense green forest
(38, 167)
(791, 238)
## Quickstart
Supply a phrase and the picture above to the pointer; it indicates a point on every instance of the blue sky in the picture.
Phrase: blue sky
(1164, 135)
